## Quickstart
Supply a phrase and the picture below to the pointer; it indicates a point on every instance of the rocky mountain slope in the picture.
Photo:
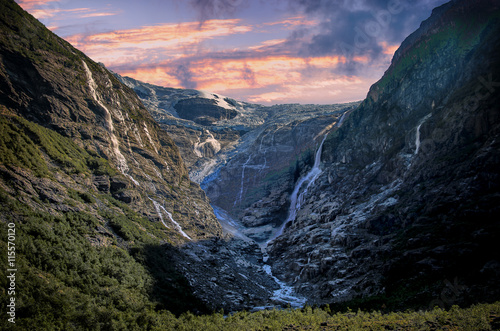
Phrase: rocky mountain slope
(247, 157)
(408, 173)
(183, 113)
(406, 209)
(98, 195)
(47, 82)
(391, 203)
(107, 221)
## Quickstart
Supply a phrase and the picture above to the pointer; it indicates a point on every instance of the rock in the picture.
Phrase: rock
(401, 175)
(118, 184)
(102, 183)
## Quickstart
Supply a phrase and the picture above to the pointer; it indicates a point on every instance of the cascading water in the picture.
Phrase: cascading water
(159, 208)
(417, 135)
(286, 292)
(285, 295)
(297, 197)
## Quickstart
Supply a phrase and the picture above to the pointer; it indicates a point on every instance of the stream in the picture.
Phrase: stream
(285, 295)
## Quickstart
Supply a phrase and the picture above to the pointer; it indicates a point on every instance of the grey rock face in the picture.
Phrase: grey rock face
(247, 157)
(63, 90)
(404, 182)
(409, 171)
(203, 111)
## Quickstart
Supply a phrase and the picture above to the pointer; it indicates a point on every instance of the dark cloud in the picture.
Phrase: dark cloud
(359, 27)
(183, 73)
(356, 29)
(350, 28)
(212, 9)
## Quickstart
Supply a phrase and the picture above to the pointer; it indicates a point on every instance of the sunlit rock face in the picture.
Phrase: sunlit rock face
(53, 85)
(408, 197)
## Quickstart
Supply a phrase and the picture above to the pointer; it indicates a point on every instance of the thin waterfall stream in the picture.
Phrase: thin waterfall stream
(297, 196)
(286, 292)
(285, 295)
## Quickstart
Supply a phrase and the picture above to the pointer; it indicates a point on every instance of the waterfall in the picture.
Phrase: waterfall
(417, 135)
(297, 197)
(240, 196)
(159, 208)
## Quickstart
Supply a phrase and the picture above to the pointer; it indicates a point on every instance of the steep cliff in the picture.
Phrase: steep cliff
(47, 82)
(406, 210)
(97, 192)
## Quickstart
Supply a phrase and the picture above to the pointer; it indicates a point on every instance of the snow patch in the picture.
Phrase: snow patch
(199, 146)
(219, 99)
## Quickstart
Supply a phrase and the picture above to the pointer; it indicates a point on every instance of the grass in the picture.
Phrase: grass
(66, 282)
(23, 144)
(478, 317)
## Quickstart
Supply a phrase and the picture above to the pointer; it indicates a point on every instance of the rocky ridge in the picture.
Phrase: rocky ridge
(394, 177)
(49, 83)
(76, 141)
(402, 181)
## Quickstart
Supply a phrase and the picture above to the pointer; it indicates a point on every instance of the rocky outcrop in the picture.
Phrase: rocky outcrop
(408, 197)
(255, 185)
(204, 111)
(82, 158)
(227, 274)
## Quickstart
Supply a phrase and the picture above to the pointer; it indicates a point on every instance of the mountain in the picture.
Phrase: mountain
(391, 203)
(248, 162)
(390, 214)
(50, 84)
(183, 113)
(96, 191)
(405, 212)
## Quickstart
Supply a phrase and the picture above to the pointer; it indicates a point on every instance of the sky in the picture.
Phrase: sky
(259, 51)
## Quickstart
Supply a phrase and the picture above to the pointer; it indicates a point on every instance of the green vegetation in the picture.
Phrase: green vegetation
(83, 197)
(480, 317)
(133, 227)
(71, 276)
(459, 38)
(17, 149)
(22, 143)
(21, 33)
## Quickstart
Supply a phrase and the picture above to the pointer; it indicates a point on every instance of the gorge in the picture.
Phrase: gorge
(133, 201)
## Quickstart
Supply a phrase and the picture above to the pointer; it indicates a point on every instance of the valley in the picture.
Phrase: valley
(135, 204)
(331, 230)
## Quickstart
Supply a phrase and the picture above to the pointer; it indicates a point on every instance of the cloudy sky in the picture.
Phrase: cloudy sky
(262, 51)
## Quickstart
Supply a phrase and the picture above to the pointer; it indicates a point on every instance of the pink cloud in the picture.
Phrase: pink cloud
(42, 9)
(169, 37)
(28, 5)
